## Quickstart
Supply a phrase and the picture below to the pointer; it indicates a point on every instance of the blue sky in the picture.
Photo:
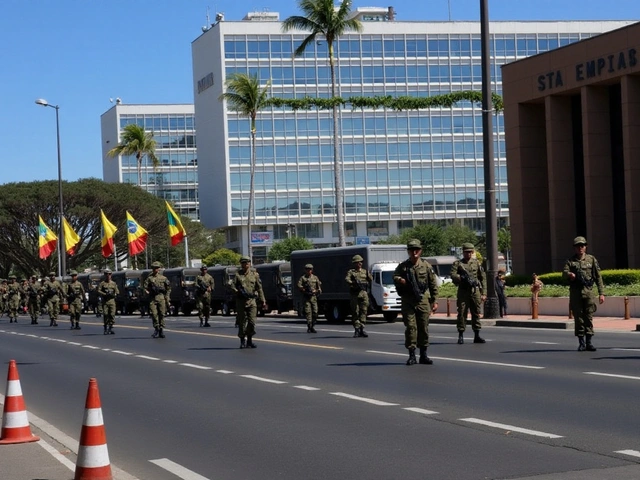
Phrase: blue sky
(80, 53)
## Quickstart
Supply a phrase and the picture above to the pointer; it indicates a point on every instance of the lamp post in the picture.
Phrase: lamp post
(62, 254)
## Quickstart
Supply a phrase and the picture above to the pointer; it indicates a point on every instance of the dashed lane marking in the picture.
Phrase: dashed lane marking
(147, 357)
(613, 375)
(177, 469)
(546, 343)
(263, 379)
(420, 410)
(633, 453)
(510, 428)
(305, 387)
(191, 365)
(225, 372)
(372, 401)
(120, 352)
(481, 362)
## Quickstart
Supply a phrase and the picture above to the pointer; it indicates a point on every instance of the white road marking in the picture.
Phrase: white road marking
(177, 470)
(226, 372)
(92, 347)
(546, 343)
(304, 387)
(372, 401)
(57, 455)
(262, 379)
(612, 375)
(170, 361)
(120, 352)
(191, 365)
(147, 357)
(499, 364)
(106, 349)
(75, 343)
(510, 428)
(633, 453)
(421, 410)
(627, 349)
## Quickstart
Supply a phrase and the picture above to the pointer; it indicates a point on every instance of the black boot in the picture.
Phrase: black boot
(356, 333)
(77, 326)
(460, 338)
(412, 357)
(424, 360)
(363, 333)
(312, 330)
(581, 345)
(477, 338)
(55, 324)
(201, 322)
(308, 328)
(206, 322)
(590, 347)
(250, 343)
(160, 333)
(106, 330)
(243, 343)
(51, 323)
(155, 333)
(111, 332)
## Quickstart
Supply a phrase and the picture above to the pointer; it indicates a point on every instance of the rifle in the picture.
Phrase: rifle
(109, 293)
(582, 280)
(417, 288)
(245, 294)
(466, 280)
(308, 290)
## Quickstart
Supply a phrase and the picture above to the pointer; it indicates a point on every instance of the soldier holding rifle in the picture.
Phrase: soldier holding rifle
(310, 286)
(471, 280)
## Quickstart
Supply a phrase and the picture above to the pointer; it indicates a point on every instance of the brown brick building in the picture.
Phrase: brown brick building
(572, 129)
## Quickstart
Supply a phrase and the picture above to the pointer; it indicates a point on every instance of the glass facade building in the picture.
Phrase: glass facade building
(173, 127)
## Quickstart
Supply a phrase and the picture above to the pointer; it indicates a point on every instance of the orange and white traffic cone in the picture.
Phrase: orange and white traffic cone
(15, 424)
(93, 456)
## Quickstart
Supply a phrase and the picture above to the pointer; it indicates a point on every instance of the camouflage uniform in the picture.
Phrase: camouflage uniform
(75, 296)
(469, 298)
(248, 289)
(158, 288)
(204, 286)
(310, 286)
(3, 297)
(14, 290)
(107, 291)
(33, 292)
(359, 280)
(53, 291)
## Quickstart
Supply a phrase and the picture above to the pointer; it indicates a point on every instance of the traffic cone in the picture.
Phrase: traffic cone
(15, 424)
(93, 456)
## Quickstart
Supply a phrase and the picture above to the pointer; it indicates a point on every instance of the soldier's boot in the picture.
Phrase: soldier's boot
(590, 347)
(424, 360)
(356, 332)
(460, 338)
(581, 345)
(477, 338)
(243, 342)
(111, 330)
(155, 333)
(313, 330)
(10, 319)
(412, 357)
(51, 323)
(363, 333)
(77, 326)
(308, 328)
(250, 343)
(201, 322)
(161, 333)
(206, 322)
(55, 324)
(72, 325)
(106, 330)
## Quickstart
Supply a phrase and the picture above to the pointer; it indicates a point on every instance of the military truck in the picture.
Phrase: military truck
(331, 266)
(129, 290)
(276, 284)
(442, 267)
(183, 289)
(222, 298)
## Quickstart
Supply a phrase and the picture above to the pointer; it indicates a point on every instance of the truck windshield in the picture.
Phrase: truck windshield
(286, 279)
(132, 282)
(387, 279)
(189, 279)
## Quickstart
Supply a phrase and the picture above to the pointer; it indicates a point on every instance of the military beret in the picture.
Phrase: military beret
(414, 243)
(52, 274)
(156, 265)
(73, 272)
(106, 270)
(245, 260)
(356, 258)
(308, 265)
(467, 247)
(579, 241)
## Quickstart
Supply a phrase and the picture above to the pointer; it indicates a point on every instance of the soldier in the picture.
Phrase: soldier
(417, 285)
(33, 292)
(14, 290)
(24, 300)
(107, 291)
(470, 278)
(204, 287)
(3, 297)
(248, 289)
(359, 280)
(158, 288)
(582, 271)
(75, 296)
(311, 287)
(53, 292)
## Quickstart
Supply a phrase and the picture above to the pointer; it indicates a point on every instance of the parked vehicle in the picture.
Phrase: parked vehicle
(331, 266)
(90, 282)
(442, 267)
(276, 284)
(222, 298)
(129, 290)
(183, 289)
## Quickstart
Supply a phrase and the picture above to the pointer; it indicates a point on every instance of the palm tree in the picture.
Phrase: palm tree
(324, 19)
(135, 141)
(245, 96)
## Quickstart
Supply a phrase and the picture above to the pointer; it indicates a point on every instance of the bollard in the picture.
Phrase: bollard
(534, 309)
(627, 315)
(448, 308)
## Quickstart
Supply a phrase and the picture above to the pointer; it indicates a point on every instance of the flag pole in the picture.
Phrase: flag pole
(186, 252)
(115, 258)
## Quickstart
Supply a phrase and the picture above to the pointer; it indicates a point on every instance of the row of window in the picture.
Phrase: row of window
(156, 122)
(165, 159)
(162, 179)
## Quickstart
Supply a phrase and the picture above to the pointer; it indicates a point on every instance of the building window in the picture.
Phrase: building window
(377, 229)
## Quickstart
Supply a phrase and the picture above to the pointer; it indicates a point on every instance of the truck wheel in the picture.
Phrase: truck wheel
(390, 316)
(334, 313)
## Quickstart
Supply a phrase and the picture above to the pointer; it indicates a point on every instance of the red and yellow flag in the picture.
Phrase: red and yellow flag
(136, 235)
(47, 240)
(108, 232)
(176, 230)
(71, 238)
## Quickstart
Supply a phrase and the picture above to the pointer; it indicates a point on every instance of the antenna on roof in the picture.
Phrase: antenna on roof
(208, 25)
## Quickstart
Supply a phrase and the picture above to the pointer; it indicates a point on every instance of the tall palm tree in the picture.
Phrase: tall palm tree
(323, 19)
(245, 96)
(135, 141)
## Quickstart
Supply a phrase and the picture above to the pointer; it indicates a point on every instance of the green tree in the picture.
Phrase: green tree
(222, 256)
(282, 250)
(245, 96)
(456, 234)
(135, 141)
(430, 235)
(504, 240)
(322, 18)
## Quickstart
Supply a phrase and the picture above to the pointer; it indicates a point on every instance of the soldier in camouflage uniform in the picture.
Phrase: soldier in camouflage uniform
(471, 280)
(158, 288)
(583, 272)
(108, 290)
(53, 292)
(75, 296)
(3, 297)
(359, 280)
(248, 289)
(416, 284)
(204, 287)
(311, 287)
(14, 290)
(33, 291)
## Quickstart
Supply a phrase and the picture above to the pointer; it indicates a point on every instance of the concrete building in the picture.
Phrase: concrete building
(173, 127)
(572, 120)
(400, 168)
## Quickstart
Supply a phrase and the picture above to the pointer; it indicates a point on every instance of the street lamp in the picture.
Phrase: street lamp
(62, 254)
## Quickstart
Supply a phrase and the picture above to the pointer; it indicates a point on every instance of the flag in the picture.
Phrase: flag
(71, 238)
(136, 235)
(47, 240)
(176, 230)
(108, 231)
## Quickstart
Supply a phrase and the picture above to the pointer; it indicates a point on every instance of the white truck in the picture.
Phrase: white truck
(331, 266)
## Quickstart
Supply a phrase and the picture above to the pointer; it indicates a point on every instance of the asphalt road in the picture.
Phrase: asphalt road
(194, 406)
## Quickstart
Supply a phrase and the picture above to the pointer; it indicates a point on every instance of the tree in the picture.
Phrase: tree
(431, 236)
(504, 240)
(282, 250)
(456, 234)
(222, 256)
(245, 96)
(322, 18)
(135, 141)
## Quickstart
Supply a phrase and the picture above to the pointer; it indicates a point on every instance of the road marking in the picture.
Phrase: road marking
(546, 343)
(633, 453)
(499, 364)
(627, 349)
(170, 361)
(177, 470)
(510, 428)
(120, 352)
(75, 343)
(304, 387)
(372, 401)
(57, 455)
(262, 379)
(420, 410)
(226, 372)
(628, 377)
(147, 357)
(191, 365)
(92, 347)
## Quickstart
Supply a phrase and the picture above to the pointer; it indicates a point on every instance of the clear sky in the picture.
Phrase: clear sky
(80, 53)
